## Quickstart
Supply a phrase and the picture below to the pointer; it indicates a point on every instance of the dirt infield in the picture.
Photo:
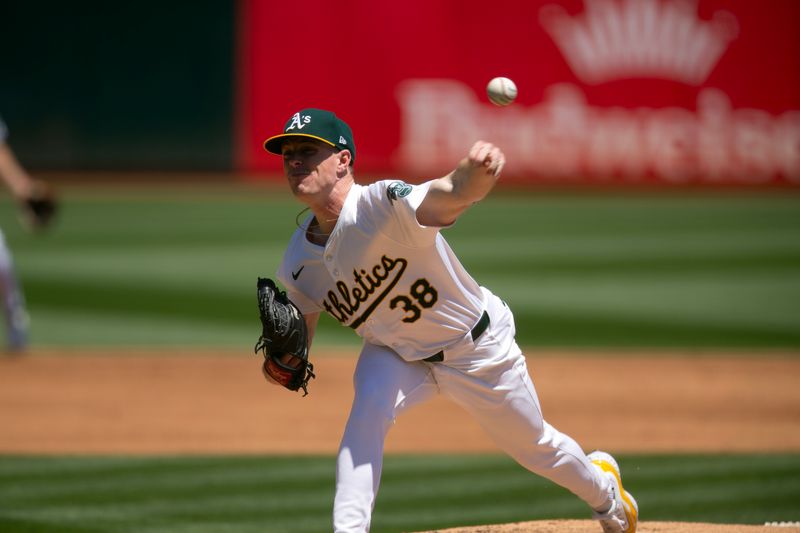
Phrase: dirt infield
(185, 403)
(176, 402)
(587, 526)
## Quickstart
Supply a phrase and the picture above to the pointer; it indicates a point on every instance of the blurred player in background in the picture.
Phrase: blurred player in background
(35, 200)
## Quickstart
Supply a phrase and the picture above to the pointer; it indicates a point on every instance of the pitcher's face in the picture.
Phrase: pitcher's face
(311, 166)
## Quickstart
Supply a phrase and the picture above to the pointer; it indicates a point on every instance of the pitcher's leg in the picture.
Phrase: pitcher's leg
(549, 452)
(385, 385)
(504, 402)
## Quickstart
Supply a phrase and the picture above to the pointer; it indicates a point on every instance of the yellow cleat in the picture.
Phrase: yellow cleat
(623, 516)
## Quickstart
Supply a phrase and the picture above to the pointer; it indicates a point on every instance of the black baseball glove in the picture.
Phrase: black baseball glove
(39, 207)
(283, 340)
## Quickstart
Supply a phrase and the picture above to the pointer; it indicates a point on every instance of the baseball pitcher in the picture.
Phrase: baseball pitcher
(374, 258)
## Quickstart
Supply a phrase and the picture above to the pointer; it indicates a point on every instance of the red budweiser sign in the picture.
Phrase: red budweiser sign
(618, 91)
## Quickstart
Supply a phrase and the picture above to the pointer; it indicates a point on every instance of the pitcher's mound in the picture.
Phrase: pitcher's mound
(589, 526)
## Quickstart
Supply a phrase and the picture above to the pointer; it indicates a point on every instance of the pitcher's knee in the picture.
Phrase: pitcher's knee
(372, 406)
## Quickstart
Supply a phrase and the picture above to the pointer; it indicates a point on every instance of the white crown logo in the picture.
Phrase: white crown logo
(616, 39)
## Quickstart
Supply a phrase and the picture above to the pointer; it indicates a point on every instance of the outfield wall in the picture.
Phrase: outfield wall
(611, 91)
(621, 91)
(98, 86)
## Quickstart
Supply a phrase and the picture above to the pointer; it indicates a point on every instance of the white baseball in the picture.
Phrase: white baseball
(501, 91)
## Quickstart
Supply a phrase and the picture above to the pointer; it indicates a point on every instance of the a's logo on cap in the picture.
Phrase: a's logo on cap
(298, 121)
(342, 140)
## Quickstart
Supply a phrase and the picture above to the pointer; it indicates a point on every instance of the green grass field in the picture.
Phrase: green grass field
(282, 494)
(669, 269)
(177, 267)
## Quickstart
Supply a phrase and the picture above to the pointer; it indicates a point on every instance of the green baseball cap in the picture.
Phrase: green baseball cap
(315, 124)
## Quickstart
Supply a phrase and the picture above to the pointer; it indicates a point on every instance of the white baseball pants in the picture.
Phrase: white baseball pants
(489, 379)
(12, 301)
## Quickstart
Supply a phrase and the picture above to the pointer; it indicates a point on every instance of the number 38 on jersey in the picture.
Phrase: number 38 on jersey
(421, 296)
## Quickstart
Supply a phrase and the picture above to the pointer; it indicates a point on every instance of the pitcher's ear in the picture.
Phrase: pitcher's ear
(345, 158)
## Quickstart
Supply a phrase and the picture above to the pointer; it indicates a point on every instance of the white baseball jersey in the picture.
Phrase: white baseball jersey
(377, 275)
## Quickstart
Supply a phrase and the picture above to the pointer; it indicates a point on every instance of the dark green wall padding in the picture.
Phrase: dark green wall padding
(119, 85)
